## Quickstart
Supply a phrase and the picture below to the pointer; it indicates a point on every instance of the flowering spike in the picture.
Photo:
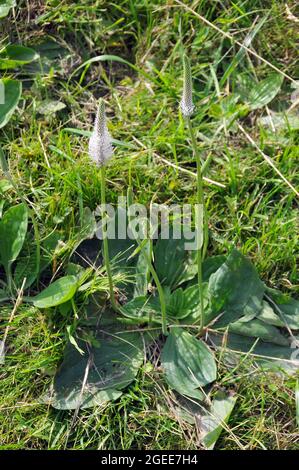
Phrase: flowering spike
(186, 104)
(100, 143)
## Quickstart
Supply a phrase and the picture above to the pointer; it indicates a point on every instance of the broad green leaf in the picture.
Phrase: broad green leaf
(188, 363)
(142, 309)
(5, 6)
(266, 355)
(184, 305)
(26, 267)
(110, 367)
(181, 305)
(74, 400)
(10, 93)
(13, 56)
(142, 271)
(258, 329)
(56, 293)
(13, 229)
(286, 308)
(214, 420)
(192, 304)
(267, 315)
(210, 266)
(263, 92)
(235, 290)
(238, 57)
(244, 85)
(173, 263)
(87, 229)
(29, 266)
(290, 313)
(121, 245)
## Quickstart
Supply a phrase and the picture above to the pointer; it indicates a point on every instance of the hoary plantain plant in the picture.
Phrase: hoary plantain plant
(204, 304)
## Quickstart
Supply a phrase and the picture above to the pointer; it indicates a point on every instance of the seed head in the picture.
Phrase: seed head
(186, 104)
(100, 143)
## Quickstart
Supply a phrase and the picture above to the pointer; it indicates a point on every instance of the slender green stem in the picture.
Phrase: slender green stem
(160, 292)
(105, 244)
(200, 202)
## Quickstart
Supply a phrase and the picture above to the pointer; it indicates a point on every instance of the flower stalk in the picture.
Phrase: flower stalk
(187, 109)
(100, 151)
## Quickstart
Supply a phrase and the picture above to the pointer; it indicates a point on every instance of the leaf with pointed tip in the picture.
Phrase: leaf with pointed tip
(188, 363)
(257, 329)
(267, 315)
(215, 419)
(109, 367)
(174, 264)
(265, 91)
(235, 290)
(285, 307)
(142, 309)
(56, 293)
(14, 55)
(266, 355)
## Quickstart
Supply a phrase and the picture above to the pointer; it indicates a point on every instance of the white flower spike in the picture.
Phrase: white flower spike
(186, 104)
(100, 142)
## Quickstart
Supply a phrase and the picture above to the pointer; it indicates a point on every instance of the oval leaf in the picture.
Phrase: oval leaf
(14, 55)
(116, 360)
(10, 93)
(188, 363)
(258, 329)
(265, 91)
(57, 293)
(215, 419)
(174, 264)
(235, 290)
